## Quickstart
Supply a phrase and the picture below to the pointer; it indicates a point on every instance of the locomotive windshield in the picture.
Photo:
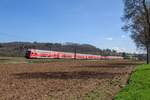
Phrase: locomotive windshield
(27, 55)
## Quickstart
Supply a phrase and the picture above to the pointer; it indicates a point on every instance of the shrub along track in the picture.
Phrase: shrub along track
(69, 80)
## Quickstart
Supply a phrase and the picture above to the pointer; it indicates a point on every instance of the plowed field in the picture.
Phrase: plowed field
(69, 80)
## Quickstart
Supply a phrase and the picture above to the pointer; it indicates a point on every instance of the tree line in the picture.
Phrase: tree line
(18, 49)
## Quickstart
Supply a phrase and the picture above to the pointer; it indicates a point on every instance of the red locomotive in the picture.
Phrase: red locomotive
(35, 53)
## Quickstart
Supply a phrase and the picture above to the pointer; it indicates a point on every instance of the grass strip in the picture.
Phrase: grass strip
(139, 85)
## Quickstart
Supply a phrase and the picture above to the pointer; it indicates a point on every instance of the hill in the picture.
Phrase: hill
(19, 48)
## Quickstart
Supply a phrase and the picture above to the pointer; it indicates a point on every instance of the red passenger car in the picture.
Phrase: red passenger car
(34, 53)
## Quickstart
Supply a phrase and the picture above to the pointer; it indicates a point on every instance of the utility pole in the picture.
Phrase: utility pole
(75, 52)
(100, 54)
(50, 48)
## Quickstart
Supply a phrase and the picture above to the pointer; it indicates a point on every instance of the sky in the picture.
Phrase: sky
(96, 22)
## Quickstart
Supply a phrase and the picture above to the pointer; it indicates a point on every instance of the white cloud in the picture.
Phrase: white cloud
(109, 38)
(123, 36)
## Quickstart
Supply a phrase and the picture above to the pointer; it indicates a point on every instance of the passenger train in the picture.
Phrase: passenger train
(35, 53)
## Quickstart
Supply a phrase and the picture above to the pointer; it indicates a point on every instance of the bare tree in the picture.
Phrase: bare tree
(137, 21)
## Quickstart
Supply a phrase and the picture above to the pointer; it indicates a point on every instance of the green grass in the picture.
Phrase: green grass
(17, 60)
(5, 60)
(139, 85)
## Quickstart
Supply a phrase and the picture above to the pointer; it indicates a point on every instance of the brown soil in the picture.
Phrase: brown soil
(62, 80)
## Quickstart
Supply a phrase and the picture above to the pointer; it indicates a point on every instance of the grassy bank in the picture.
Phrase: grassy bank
(139, 85)
(17, 60)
